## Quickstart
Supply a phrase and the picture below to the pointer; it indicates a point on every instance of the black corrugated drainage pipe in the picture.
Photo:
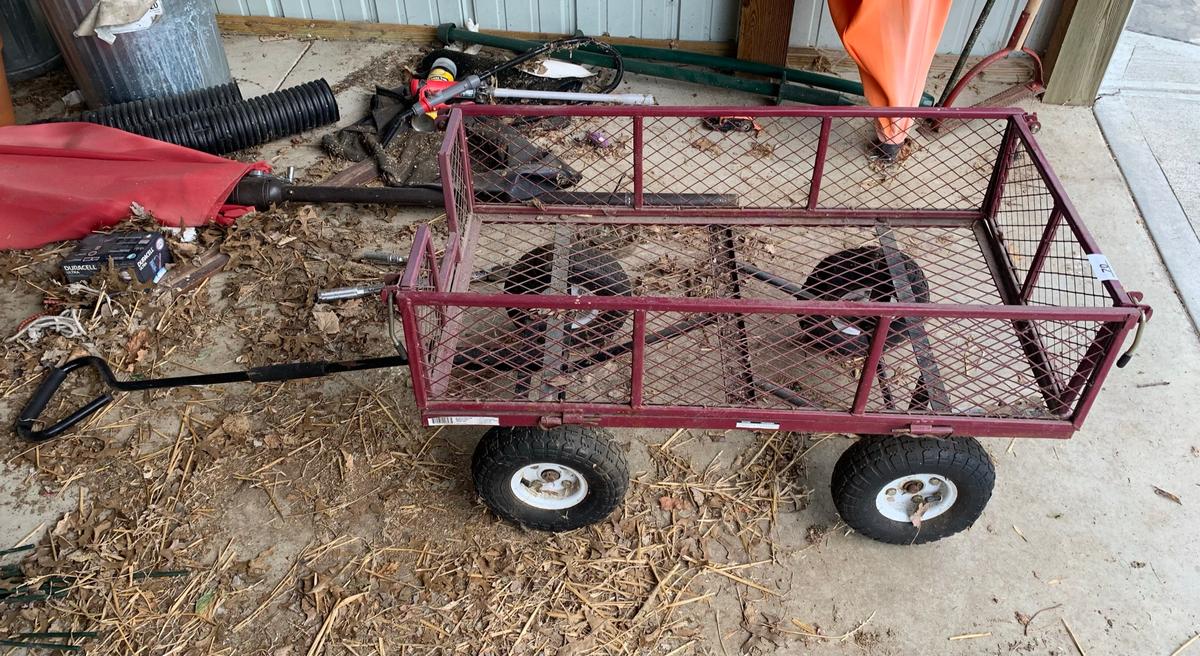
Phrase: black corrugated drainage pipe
(236, 126)
(124, 115)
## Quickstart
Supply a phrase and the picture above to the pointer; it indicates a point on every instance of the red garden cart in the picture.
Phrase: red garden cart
(765, 273)
(753, 268)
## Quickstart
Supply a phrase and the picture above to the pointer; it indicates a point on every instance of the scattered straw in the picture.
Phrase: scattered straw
(970, 636)
(1074, 640)
(1185, 645)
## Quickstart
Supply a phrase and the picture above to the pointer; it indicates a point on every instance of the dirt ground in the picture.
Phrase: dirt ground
(320, 517)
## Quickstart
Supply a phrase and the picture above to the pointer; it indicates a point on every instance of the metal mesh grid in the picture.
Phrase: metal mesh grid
(873, 237)
(691, 161)
(769, 167)
(594, 154)
(509, 356)
(985, 370)
(794, 361)
(685, 260)
(950, 173)
(1037, 236)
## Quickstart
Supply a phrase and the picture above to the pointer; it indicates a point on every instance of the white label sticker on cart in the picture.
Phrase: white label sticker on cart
(462, 421)
(1101, 268)
(758, 425)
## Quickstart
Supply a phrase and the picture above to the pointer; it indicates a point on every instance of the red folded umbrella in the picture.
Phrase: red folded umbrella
(63, 180)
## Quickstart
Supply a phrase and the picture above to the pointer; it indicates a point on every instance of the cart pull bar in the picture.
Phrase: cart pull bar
(266, 374)
(1146, 313)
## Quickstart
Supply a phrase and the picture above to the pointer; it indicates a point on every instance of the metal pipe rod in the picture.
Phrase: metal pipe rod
(347, 293)
(569, 96)
(966, 52)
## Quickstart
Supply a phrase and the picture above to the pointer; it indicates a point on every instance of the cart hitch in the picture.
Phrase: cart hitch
(266, 374)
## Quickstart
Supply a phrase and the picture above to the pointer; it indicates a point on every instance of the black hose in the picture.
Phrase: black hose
(236, 126)
(147, 110)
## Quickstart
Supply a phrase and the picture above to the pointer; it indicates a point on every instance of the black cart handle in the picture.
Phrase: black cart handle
(272, 373)
(46, 391)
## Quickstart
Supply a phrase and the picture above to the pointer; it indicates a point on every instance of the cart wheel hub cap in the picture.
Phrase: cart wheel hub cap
(584, 317)
(840, 323)
(549, 486)
(899, 499)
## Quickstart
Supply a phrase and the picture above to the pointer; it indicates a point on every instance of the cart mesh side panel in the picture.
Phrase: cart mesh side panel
(1038, 232)
(639, 266)
(948, 174)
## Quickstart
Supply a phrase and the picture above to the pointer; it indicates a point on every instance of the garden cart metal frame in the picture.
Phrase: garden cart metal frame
(951, 294)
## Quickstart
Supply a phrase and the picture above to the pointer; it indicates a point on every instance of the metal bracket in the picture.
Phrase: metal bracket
(924, 429)
(546, 422)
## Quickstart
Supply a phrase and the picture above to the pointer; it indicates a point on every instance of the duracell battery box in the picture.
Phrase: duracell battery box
(134, 255)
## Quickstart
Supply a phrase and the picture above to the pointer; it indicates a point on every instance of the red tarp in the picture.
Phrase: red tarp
(63, 180)
(893, 42)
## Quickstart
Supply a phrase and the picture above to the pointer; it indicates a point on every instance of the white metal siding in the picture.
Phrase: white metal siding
(693, 20)
(812, 26)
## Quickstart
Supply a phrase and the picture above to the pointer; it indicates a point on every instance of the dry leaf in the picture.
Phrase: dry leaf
(237, 426)
(668, 503)
(327, 321)
(1166, 495)
(561, 380)
(258, 564)
(806, 627)
(703, 145)
(137, 341)
(762, 150)
(918, 513)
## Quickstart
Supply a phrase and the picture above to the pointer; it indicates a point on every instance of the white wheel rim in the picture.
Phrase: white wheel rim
(581, 319)
(900, 498)
(841, 324)
(549, 486)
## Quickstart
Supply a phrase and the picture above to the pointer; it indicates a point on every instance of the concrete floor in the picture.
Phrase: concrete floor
(1173, 19)
(1147, 110)
(1075, 523)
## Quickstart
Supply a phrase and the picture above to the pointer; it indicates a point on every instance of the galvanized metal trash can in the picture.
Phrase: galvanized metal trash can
(180, 51)
(29, 47)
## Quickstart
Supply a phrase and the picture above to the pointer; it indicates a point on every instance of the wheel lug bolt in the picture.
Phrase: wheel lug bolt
(935, 482)
(891, 492)
(917, 498)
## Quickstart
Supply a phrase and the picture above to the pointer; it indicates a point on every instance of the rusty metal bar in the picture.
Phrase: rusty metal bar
(725, 259)
(871, 365)
(1039, 257)
(637, 379)
(796, 419)
(765, 111)
(639, 159)
(814, 189)
(773, 306)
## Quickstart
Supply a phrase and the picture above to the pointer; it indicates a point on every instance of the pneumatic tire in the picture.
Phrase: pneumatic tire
(858, 274)
(880, 480)
(550, 480)
(591, 271)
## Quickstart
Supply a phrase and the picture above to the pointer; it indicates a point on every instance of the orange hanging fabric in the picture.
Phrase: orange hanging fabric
(893, 42)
